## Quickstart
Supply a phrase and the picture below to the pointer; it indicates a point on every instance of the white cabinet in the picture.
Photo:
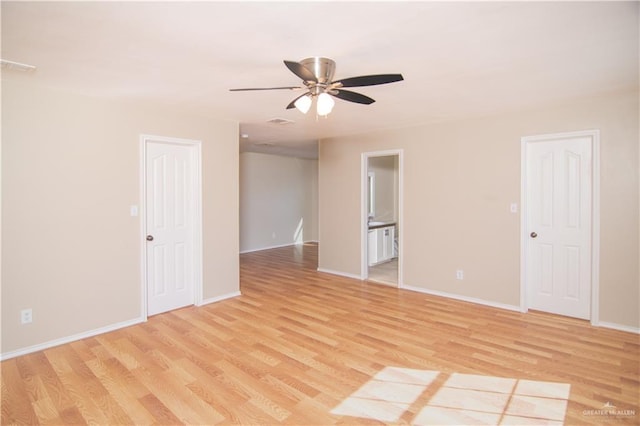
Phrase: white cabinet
(372, 246)
(380, 244)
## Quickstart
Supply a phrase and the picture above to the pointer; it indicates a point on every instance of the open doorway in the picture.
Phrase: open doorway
(381, 217)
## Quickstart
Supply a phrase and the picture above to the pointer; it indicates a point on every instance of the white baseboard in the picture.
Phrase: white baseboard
(219, 298)
(463, 298)
(618, 327)
(342, 274)
(603, 324)
(69, 339)
(276, 246)
(95, 332)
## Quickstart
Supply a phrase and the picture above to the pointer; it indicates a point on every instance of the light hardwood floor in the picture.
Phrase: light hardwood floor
(302, 347)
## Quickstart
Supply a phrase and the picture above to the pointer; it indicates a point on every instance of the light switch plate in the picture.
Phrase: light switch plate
(133, 210)
(514, 207)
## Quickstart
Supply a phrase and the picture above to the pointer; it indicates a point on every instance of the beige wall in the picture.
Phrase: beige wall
(459, 180)
(70, 172)
(277, 195)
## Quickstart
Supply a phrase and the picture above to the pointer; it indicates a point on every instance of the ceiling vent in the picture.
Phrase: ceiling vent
(280, 121)
(16, 66)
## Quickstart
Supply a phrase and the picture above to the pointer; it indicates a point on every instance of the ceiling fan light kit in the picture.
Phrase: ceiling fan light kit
(324, 103)
(303, 103)
(317, 76)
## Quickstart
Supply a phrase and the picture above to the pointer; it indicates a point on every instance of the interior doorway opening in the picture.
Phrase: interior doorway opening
(382, 217)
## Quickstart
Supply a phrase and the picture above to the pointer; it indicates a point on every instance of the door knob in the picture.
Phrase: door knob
(149, 237)
(533, 235)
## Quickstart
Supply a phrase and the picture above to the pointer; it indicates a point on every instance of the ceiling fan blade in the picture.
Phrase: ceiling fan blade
(266, 88)
(369, 80)
(350, 96)
(293, 102)
(301, 71)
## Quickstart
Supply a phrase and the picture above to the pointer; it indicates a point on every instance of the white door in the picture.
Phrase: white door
(169, 226)
(558, 225)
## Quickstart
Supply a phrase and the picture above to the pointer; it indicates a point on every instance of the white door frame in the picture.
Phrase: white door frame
(595, 215)
(196, 152)
(364, 228)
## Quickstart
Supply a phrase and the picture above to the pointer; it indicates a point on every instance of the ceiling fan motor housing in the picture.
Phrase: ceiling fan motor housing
(322, 68)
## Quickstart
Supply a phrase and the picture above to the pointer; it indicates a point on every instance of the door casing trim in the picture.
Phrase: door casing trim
(196, 152)
(595, 215)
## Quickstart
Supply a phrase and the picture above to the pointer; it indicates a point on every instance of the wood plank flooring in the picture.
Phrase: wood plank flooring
(301, 347)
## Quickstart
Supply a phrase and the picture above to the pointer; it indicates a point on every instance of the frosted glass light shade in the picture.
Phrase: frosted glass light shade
(325, 104)
(303, 104)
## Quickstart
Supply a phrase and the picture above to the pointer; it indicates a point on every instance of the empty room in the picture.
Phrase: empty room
(315, 213)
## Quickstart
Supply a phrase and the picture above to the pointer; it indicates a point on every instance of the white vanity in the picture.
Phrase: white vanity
(381, 241)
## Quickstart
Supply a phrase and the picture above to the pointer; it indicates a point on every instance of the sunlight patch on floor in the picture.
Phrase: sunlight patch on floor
(461, 399)
(387, 395)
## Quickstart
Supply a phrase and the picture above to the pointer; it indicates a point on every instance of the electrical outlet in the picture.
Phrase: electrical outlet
(459, 274)
(26, 316)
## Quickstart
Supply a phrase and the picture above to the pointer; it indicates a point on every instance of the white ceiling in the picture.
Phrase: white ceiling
(458, 59)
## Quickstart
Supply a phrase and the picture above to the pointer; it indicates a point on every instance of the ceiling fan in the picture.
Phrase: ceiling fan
(317, 76)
